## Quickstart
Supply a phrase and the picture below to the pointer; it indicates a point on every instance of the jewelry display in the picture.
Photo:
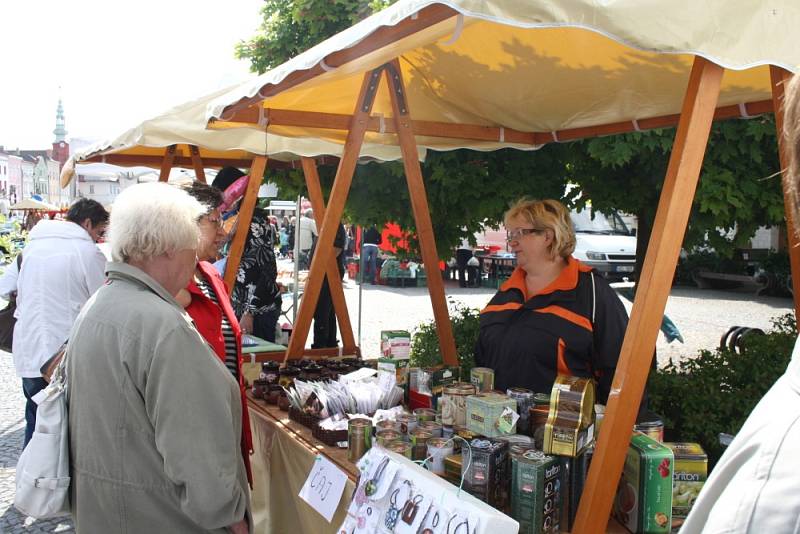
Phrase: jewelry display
(393, 513)
(371, 487)
(410, 509)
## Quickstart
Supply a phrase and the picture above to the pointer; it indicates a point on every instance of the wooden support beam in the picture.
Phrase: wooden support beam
(334, 277)
(422, 214)
(475, 132)
(166, 163)
(197, 163)
(246, 209)
(779, 78)
(333, 213)
(133, 160)
(648, 308)
(383, 36)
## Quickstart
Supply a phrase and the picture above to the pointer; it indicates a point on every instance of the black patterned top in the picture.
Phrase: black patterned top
(255, 290)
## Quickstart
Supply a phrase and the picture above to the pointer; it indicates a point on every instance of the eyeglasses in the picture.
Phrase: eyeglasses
(218, 222)
(519, 232)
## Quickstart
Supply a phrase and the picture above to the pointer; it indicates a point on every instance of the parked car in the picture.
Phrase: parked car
(605, 243)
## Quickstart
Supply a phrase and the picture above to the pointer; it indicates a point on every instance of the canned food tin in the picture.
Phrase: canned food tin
(524, 398)
(407, 422)
(482, 378)
(400, 447)
(387, 424)
(431, 426)
(454, 403)
(537, 418)
(359, 438)
(425, 414)
(652, 425)
(384, 437)
(438, 450)
(419, 442)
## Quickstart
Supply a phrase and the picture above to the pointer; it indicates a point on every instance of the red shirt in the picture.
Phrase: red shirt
(207, 316)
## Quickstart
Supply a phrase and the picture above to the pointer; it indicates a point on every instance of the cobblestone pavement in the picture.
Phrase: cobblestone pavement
(12, 430)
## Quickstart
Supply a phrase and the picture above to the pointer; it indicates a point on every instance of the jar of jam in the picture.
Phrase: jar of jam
(287, 376)
(259, 389)
(273, 393)
(311, 372)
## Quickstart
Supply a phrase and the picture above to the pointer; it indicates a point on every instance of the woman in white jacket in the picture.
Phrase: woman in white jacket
(755, 487)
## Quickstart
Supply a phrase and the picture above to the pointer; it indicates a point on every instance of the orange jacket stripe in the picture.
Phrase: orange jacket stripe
(502, 307)
(563, 368)
(568, 315)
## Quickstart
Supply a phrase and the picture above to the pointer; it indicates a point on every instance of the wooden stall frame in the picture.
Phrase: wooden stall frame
(197, 164)
(166, 164)
(332, 270)
(243, 222)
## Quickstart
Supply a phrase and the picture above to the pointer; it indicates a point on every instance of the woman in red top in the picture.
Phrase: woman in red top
(208, 303)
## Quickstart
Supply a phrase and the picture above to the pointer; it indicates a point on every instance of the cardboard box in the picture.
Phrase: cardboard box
(688, 477)
(564, 441)
(644, 496)
(398, 367)
(484, 411)
(425, 385)
(536, 492)
(395, 344)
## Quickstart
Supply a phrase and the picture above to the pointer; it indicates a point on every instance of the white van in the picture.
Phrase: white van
(605, 243)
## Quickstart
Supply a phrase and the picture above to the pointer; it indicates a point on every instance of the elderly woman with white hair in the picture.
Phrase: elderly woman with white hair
(154, 415)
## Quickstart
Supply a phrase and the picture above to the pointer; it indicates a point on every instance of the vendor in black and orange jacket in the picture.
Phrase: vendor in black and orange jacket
(553, 315)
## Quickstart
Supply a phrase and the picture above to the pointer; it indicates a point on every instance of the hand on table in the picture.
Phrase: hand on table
(246, 323)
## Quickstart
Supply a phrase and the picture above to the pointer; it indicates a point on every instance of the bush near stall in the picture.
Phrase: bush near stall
(425, 340)
(713, 393)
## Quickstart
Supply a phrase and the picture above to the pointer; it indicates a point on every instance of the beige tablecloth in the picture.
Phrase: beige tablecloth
(280, 467)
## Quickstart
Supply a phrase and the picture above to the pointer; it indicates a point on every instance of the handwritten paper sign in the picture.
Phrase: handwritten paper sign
(323, 487)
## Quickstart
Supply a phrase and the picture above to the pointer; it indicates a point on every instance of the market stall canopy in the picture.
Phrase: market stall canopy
(31, 204)
(185, 126)
(524, 73)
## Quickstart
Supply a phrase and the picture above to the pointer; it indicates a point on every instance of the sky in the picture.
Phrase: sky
(114, 63)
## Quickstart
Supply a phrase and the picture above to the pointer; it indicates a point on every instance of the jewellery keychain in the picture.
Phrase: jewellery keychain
(393, 513)
(464, 523)
(411, 508)
(361, 520)
(371, 487)
(430, 521)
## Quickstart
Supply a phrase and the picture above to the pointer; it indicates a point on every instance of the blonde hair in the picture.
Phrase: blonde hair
(546, 214)
(152, 219)
(791, 129)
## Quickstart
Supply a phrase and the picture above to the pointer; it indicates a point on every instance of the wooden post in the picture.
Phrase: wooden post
(648, 308)
(334, 278)
(197, 163)
(243, 221)
(333, 213)
(779, 78)
(422, 215)
(166, 163)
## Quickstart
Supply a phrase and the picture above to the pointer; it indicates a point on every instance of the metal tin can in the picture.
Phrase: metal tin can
(287, 376)
(524, 398)
(537, 418)
(359, 438)
(384, 437)
(651, 424)
(425, 414)
(419, 441)
(387, 424)
(482, 378)
(401, 447)
(407, 421)
(431, 426)
(438, 450)
(536, 492)
(485, 471)
(454, 403)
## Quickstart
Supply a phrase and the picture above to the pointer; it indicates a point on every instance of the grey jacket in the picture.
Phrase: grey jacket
(154, 417)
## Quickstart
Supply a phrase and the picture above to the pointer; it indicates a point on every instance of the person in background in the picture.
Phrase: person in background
(325, 314)
(369, 254)
(463, 255)
(554, 315)
(154, 415)
(256, 295)
(292, 232)
(307, 234)
(207, 302)
(283, 235)
(755, 488)
(61, 268)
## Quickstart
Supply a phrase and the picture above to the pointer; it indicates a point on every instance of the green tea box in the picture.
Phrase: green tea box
(395, 344)
(688, 476)
(490, 414)
(644, 496)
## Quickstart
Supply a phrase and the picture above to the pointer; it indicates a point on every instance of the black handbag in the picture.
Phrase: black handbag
(7, 319)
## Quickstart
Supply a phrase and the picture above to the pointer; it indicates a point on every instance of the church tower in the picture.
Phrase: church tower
(60, 145)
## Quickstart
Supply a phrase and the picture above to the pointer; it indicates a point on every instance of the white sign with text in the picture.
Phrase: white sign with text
(323, 487)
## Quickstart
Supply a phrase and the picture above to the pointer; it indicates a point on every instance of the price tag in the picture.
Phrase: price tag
(323, 487)
(507, 420)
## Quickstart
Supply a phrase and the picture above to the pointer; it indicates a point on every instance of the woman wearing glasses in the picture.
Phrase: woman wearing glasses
(553, 315)
(208, 303)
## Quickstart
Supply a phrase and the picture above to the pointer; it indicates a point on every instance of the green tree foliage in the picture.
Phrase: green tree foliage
(738, 191)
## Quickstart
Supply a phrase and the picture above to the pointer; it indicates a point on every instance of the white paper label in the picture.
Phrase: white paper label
(323, 487)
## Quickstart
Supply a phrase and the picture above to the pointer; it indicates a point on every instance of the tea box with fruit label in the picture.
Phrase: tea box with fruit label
(644, 497)
(688, 476)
